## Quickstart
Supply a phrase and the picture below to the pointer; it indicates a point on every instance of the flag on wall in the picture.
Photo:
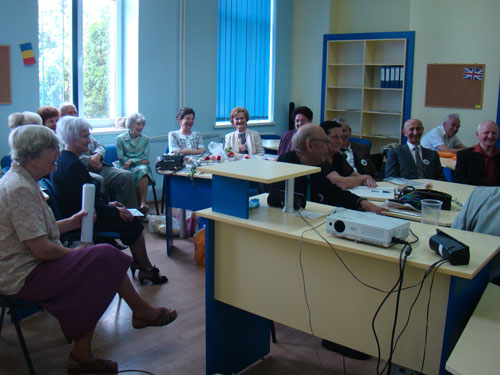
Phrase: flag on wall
(474, 74)
(27, 52)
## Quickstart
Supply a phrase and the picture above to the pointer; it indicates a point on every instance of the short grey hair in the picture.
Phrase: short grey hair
(485, 123)
(64, 106)
(452, 115)
(341, 120)
(299, 139)
(29, 141)
(26, 118)
(69, 128)
(135, 118)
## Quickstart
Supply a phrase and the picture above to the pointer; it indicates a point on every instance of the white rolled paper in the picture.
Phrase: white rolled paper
(88, 198)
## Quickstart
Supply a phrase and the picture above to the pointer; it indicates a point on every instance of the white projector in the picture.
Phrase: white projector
(366, 226)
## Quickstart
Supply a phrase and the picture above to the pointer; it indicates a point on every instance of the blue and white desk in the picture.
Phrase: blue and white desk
(253, 274)
(183, 192)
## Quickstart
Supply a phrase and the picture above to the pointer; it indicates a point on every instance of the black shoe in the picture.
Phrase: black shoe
(151, 274)
(344, 350)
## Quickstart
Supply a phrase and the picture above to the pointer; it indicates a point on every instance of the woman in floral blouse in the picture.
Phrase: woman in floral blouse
(133, 154)
(185, 141)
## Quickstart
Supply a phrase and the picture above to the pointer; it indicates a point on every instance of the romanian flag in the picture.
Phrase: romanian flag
(27, 52)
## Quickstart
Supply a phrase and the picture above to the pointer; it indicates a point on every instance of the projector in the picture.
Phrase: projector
(366, 226)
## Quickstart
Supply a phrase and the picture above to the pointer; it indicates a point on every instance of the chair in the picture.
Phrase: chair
(19, 310)
(112, 156)
(269, 136)
(72, 236)
(363, 141)
(163, 190)
(5, 163)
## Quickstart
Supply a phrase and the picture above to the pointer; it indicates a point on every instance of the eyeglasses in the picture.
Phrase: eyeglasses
(326, 140)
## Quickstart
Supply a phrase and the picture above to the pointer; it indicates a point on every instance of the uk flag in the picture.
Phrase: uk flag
(472, 73)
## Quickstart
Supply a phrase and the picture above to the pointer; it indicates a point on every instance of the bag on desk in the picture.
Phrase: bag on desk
(412, 196)
(169, 162)
(276, 198)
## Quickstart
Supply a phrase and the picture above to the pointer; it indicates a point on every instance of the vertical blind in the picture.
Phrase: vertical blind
(244, 52)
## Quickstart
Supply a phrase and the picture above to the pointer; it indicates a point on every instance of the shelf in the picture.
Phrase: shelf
(345, 52)
(384, 113)
(382, 89)
(343, 110)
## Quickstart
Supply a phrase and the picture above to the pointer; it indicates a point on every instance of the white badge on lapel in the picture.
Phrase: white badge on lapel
(425, 161)
(364, 162)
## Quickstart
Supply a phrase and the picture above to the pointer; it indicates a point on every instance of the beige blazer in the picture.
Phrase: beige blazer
(254, 142)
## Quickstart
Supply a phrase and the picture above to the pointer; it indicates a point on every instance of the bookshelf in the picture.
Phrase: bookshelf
(367, 79)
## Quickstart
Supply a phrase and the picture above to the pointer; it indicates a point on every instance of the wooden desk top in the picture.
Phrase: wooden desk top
(291, 225)
(448, 163)
(271, 144)
(477, 351)
(259, 170)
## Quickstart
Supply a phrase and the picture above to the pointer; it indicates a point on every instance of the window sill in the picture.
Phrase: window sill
(108, 130)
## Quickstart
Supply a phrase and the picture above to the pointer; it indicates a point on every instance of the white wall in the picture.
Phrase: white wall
(447, 31)
(16, 27)
(311, 20)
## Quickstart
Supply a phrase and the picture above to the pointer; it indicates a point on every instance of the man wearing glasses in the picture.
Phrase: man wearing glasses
(310, 147)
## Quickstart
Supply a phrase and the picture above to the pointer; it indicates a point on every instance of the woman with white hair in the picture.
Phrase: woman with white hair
(25, 118)
(133, 154)
(69, 179)
(35, 267)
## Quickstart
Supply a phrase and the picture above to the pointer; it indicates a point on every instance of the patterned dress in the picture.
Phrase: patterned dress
(136, 149)
(178, 141)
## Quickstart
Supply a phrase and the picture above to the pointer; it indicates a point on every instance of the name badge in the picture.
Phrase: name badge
(364, 162)
(425, 161)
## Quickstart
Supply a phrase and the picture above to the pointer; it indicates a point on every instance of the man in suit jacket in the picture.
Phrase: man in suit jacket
(480, 165)
(411, 160)
(356, 154)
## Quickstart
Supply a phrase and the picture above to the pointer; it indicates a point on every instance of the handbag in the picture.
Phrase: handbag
(412, 196)
(170, 162)
(276, 198)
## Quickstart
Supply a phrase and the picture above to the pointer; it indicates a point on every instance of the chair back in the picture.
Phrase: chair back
(269, 136)
(5, 163)
(48, 186)
(365, 142)
(111, 154)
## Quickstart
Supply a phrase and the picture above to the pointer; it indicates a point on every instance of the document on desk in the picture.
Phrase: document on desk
(310, 214)
(376, 194)
(404, 181)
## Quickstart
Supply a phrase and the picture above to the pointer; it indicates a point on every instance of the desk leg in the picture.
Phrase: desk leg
(234, 338)
(168, 214)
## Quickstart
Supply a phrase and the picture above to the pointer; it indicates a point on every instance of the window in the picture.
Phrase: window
(245, 58)
(79, 49)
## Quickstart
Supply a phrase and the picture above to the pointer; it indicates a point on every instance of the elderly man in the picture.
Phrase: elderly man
(480, 165)
(412, 160)
(356, 154)
(117, 179)
(309, 147)
(444, 137)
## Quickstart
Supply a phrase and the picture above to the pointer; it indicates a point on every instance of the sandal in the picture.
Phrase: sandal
(166, 316)
(95, 366)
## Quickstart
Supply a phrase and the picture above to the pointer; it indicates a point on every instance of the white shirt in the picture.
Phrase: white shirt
(437, 136)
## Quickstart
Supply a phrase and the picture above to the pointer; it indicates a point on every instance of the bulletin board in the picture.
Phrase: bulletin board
(5, 88)
(455, 86)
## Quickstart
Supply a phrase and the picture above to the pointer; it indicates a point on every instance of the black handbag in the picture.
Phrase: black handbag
(414, 197)
(276, 198)
(169, 162)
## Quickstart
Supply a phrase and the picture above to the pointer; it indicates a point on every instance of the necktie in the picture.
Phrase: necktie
(418, 163)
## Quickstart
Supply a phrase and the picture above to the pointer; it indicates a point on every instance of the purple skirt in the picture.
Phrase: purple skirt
(78, 287)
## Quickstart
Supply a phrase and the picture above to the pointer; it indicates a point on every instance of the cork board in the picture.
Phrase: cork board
(5, 89)
(455, 86)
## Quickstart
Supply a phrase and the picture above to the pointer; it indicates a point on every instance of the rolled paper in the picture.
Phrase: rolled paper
(88, 198)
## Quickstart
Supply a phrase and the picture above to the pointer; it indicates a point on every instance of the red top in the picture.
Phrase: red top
(489, 163)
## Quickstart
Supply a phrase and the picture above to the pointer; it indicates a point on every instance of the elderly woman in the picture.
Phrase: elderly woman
(300, 115)
(185, 140)
(243, 140)
(69, 179)
(35, 267)
(133, 154)
(26, 118)
(49, 115)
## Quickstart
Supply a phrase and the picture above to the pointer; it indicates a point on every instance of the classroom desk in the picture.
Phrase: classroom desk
(253, 273)
(448, 163)
(182, 192)
(478, 350)
(459, 192)
(271, 144)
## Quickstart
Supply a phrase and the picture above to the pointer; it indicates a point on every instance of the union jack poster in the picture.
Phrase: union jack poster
(474, 74)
